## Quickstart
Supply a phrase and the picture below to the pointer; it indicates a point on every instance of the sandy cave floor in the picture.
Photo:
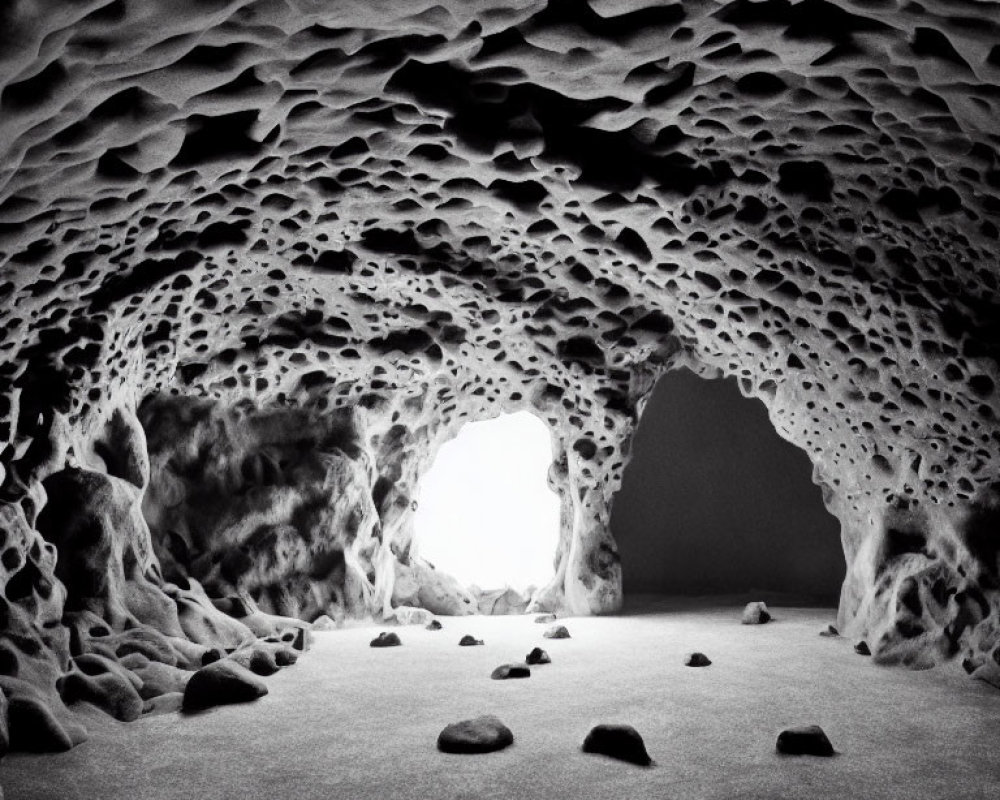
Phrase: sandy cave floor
(350, 721)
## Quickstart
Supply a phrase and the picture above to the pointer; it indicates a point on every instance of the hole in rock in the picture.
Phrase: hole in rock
(714, 501)
(485, 513)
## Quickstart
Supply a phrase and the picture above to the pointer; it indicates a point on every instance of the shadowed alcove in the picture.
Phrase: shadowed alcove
(714, 502)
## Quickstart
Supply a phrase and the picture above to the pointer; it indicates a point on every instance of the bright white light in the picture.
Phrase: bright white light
(485, 512)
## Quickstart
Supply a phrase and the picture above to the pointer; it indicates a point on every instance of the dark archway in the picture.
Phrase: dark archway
(713, 501)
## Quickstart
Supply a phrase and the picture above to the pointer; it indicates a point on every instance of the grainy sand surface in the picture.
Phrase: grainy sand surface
(350, 721)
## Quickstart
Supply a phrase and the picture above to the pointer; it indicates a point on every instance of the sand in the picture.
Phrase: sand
(350, 721)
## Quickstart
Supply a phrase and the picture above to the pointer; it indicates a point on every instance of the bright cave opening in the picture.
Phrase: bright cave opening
(485, 512)
(715, 502)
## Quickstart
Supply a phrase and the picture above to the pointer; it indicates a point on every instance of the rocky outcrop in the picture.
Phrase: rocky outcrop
(88, 615)
(259, 260)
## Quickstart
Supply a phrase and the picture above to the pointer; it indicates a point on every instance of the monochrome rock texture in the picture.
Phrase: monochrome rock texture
(220, 683)
(260, 259)
(617, 741)
(755, 613)
(484, 734)
(507, 671)
(805, 740)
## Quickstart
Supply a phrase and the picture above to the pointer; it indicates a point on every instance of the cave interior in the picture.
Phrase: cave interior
(260, 260)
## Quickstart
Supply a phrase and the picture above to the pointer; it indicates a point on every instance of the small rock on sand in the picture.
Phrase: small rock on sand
(697, 660)
(829, 631)
(806, 740)
(537, 656)
(386, 639)
(469, 641)
(480, 735)
(433, 625)
(617, 741)
(541, 619)
(862, 649)
(506, 671)
(756, 614)
(556, 632)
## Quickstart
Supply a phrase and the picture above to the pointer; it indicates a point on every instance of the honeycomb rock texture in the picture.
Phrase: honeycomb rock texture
(259, 259)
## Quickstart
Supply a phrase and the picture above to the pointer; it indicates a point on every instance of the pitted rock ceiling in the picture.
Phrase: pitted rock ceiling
(270, 255)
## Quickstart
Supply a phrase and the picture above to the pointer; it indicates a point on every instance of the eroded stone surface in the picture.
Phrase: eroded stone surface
(255, 256)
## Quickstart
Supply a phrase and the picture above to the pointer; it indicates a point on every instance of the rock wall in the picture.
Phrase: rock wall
(366, 223)
(87, 614)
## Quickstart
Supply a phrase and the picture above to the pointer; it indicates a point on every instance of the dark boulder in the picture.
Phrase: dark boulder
(220, 683)
(506, 671)
(617, 741)
(480, 735)
(806, 740)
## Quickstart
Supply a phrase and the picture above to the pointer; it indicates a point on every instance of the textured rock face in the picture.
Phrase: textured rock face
(259, 259)
(276, 506)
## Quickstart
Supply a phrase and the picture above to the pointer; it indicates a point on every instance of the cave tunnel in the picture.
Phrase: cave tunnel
(713, 501)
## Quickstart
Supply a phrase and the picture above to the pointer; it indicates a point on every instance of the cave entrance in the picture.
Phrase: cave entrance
(714, 502)
(485, 513)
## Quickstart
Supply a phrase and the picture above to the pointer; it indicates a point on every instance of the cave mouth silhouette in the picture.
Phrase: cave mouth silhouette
(715, 502)
(485, 513)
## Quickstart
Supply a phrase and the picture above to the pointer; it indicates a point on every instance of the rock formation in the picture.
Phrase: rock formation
(484, 734)
(806, 740)
(617, 741)
(260, 258)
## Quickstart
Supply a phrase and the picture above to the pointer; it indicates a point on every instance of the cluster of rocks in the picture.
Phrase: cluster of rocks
(486, 733)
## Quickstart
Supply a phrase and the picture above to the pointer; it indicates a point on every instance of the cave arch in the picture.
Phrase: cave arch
(714, 501)
(486, 513)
